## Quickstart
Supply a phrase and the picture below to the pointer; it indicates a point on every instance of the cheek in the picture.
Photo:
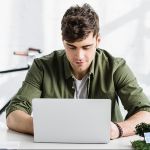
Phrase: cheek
(69, 55)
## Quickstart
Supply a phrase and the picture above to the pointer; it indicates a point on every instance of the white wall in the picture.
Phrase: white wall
(125, 30)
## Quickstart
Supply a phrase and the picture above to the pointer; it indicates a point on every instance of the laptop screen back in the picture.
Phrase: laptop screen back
(71, 121)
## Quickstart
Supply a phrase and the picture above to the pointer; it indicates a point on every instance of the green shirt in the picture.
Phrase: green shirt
(50, 77)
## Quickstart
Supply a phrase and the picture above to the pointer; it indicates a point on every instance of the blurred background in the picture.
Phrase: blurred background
(124, 30)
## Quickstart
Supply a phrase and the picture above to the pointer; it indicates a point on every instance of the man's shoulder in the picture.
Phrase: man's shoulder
(56, 55)
(105, 56)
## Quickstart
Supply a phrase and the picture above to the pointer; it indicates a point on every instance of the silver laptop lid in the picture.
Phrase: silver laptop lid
(71, 121)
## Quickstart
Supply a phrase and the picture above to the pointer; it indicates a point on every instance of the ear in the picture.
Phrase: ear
(98, 39)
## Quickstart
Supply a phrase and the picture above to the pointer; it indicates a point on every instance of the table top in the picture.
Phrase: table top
(14, 140)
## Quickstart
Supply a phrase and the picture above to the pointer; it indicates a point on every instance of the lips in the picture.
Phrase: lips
(79, 62)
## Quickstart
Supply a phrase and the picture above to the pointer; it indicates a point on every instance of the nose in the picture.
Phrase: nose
(80, 54)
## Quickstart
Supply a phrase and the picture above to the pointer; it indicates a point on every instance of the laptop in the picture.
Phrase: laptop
(71, 120)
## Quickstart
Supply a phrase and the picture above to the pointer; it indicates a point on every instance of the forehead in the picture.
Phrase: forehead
(87, 41)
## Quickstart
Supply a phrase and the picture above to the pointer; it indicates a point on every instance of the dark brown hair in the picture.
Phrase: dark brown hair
(78, 22)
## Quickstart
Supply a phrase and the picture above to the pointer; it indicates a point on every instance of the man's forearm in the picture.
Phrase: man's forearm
(20, 122)
(128, 126)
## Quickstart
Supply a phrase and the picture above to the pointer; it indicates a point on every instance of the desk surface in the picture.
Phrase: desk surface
(10, 139)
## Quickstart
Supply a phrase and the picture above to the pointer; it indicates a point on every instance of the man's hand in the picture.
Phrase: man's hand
(114, 132)
(128, 126)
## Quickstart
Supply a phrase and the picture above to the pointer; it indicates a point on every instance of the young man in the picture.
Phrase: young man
(82, 70)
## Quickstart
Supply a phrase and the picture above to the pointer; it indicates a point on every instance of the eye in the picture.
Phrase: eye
(72, 48)
(86, 48)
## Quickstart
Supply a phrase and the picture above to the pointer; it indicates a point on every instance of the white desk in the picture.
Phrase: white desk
(10, 139)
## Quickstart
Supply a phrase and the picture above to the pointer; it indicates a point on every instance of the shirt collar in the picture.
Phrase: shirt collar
(91, 72)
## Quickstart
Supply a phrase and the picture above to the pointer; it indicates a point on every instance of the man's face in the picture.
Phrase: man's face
(81, 53)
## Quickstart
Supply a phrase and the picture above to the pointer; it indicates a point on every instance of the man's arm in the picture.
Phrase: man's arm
(20, 122)
(128, 126)
(20, 107)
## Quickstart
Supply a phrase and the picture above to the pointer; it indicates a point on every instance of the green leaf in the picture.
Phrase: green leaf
(142, 128)
(140, 145)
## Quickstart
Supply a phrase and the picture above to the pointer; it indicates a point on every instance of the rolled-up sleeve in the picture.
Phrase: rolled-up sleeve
(31, 88)
(129, 91)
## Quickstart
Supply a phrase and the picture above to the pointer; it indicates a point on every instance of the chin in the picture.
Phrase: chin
(82, 70)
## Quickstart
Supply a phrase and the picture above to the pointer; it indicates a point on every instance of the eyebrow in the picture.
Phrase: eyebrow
(82, 46)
